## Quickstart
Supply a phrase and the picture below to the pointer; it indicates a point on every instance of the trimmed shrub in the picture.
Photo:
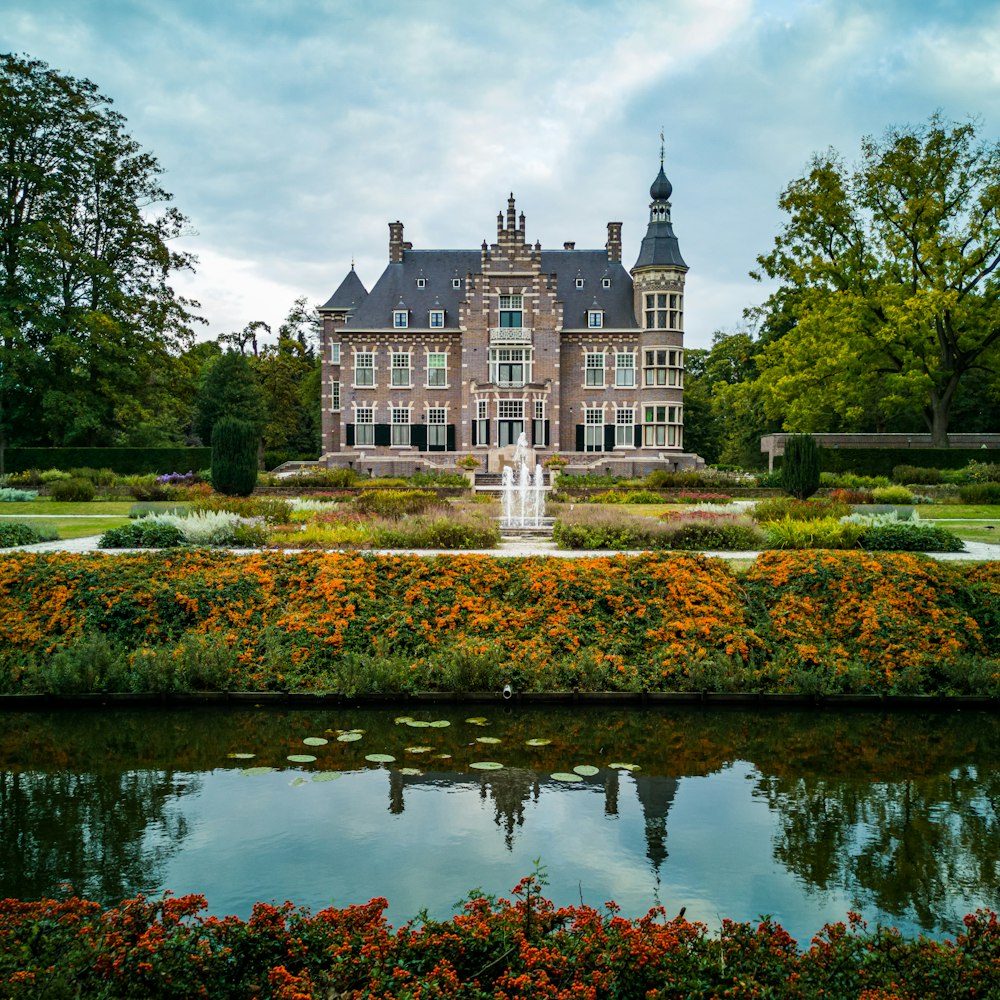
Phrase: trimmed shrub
(800, 469)
(395, 503)
(146, 533)
(733, 535)
(17, 533)
(787, 508)
(987, 493)
(910, 536)
(120, 460)
(234, 456)
(917, 475)
(72, 490)
(10, 495)
(893, 494)
(473, 530)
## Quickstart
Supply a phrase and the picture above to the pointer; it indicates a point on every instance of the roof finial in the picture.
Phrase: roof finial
(352, 262)
(661, 146)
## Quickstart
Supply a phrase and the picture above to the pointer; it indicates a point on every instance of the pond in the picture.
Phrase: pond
(728, 813)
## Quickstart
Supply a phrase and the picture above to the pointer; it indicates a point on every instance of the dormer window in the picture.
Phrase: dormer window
(400, 319)
(421, 282)
(595, 318)
(579, 282)
(456, 282)
(605, 282)
(436, 318)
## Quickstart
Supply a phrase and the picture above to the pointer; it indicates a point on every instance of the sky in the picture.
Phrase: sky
(291, 132)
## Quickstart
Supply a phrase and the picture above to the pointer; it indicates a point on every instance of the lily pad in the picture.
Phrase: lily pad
(487, 739)
(301, 758)
(565, 776)
(477, 720)
(410, 770)
(348, 737)
(439, 724)
(538, 743)
(295, 782)
(442, 756)
(258, 770)
(625, 767)
(315, 741)
(241, 756)
(380, 758)
(487, 765)
(326, 776)
(418, 724)
(403, 719)
(419, 749)
(586, 770)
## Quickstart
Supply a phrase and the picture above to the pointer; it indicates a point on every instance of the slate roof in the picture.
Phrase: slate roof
(439, 268)
(660, 247)
(349, 295)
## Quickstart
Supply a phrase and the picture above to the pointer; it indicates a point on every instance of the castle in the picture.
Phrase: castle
(459, 352)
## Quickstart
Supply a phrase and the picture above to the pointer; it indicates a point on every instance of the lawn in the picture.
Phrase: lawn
(46, 505)
(960, 511)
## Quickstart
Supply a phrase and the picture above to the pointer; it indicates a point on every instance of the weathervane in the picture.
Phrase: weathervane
(661, 147)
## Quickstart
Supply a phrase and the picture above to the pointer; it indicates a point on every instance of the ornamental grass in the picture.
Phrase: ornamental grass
(796, 622)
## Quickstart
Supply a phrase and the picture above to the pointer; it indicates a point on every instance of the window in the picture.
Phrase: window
(334, 395)
(510, 425)
(593, 430)
(364, 426)
(511, 311)
(401, 369)
(510, 367)
(594, 368)
(437, 428)
(456, 282)
(437, 370)
(421, 282)
(400, 319)
(595, 318)
(579, 282)
(605, 282)
(624, 427)
(400, 426)
(436, 318)
(538, 436)
(663, 366)
(661, 426)
(335, 353)
(624, 370)
(482, 421)
(364, 368)
(664, 311)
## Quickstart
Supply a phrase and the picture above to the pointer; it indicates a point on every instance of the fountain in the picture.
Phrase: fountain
(522, 492)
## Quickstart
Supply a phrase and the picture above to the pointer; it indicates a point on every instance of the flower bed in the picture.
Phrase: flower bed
(521, 947)
(797, 622)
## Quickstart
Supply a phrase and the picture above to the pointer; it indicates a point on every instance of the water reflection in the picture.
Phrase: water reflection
(801, 815)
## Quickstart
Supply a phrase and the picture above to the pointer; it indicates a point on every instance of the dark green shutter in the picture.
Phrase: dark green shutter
(609, 437)
(383, 434)
(475, 432)
(547, 440)
(350, 436)
(579, 437)
(638, 435)
(418, 437)
(450, 438)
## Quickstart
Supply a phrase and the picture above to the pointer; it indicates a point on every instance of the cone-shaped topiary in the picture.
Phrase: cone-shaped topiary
(800, 466)
(234, 457)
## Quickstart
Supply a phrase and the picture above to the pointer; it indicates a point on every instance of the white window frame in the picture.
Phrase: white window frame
(605, 282)
(400, 433)
(624, 426)
(437, 368)
(335, 395)
(663, 367)
(624, 370)
(663, 311)
(482, 422)
(456, 282)
(662, 425)
(579, 282)
(401, 375)
(335, 352)
(369, 433)
(595, 319)
(593, 368)
(421, 282)
(437, 427)
(500, 356)
(400, 319)
(593, 428)
(538, 423)
(435, 319)
(360, 356)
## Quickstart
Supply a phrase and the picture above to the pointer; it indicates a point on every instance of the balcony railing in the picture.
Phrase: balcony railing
(510, 335)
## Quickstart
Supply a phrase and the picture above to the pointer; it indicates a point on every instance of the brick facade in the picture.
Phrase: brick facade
(458, 352)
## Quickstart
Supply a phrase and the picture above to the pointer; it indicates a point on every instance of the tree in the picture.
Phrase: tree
(89, 325)
(228, 388)
(800, 468)
(888, 272)
(234, 456)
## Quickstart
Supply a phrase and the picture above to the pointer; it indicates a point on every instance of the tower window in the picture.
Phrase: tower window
(664, 311)
(663, 366)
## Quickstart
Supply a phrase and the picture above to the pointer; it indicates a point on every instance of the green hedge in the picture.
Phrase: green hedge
(126, 461)
(881, 461)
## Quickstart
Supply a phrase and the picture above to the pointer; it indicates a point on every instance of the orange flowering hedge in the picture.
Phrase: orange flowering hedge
(659, 621)
(503, 949)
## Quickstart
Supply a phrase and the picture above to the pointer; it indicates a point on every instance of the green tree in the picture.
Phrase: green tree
(888, 271)
(228, 388)
(235, 444)
(90, 329)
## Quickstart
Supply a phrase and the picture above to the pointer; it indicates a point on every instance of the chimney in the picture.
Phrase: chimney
(569, 245)
(614, 244)
(396, 244)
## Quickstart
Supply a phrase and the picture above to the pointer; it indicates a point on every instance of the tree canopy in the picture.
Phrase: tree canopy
(889, 291)
(90, 329)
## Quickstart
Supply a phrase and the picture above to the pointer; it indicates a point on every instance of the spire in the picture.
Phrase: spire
(659, 246)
